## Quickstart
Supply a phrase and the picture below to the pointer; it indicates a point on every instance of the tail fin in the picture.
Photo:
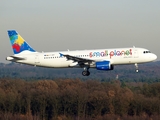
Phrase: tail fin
(18, 43)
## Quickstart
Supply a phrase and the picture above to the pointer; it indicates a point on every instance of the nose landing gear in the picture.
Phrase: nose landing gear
(136, 65)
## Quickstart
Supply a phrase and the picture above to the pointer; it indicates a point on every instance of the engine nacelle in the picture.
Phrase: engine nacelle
(104, 65)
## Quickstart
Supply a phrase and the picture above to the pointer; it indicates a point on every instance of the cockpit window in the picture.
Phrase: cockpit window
(146, 52)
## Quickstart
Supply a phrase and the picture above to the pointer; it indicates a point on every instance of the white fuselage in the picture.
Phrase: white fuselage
(116, 56)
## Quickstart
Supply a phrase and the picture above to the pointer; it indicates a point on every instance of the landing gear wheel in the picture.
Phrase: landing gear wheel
(88, 73)
(85, 73)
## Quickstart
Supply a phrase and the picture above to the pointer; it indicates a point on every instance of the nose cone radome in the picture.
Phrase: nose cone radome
(154, 57)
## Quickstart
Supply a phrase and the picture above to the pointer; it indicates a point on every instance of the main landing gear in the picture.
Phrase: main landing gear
(136, 65)
(86, 72)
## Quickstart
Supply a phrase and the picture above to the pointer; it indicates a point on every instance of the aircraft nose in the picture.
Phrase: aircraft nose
(154, 57)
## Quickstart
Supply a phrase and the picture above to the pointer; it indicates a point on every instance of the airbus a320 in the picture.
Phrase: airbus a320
(100, 59)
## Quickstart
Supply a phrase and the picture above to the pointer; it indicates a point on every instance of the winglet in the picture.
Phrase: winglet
(18, 43)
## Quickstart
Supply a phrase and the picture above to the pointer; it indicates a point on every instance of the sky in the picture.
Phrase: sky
(58, 25)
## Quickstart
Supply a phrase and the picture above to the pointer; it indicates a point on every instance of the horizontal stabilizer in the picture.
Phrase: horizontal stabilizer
(15, 58)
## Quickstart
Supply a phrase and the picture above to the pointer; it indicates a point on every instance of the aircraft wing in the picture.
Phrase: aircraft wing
(77, 59)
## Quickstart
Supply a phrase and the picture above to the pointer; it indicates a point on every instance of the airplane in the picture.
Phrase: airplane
(101, 59)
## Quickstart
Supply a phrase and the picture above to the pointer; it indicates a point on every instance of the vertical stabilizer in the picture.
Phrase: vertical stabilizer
(18, 43)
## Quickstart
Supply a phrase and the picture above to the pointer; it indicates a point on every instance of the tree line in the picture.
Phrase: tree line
(74, 99)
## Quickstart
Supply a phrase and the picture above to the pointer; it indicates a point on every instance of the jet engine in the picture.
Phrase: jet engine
(104, 65)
